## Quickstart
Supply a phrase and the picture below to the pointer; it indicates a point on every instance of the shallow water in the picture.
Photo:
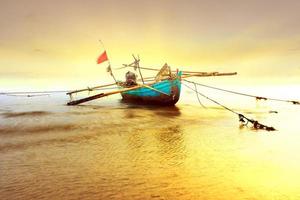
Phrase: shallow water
(111, 150)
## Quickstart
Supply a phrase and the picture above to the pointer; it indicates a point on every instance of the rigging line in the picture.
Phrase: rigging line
(27, 95)
(34, 92)
(243, 119)
(46, 92)
(196, 90)
(244, 94)
(211, 100)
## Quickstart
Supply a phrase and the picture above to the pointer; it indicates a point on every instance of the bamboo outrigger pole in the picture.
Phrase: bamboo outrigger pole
(90, 89)
(205, 74)
(184, 72)
(198, 74)
(97, 96)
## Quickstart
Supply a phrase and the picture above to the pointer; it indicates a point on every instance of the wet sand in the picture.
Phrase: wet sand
(111, 150)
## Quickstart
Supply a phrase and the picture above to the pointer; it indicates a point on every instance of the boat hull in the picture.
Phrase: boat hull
(165, 93)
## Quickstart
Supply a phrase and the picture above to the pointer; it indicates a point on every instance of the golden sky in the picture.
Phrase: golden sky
(55, 43)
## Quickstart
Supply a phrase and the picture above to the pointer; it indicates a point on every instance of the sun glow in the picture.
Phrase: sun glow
(61, 45)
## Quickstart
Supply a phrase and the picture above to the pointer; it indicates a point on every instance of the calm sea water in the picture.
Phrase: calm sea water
(110, 150)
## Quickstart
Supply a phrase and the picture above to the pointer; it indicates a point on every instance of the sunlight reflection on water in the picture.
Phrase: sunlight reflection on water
(110, 150)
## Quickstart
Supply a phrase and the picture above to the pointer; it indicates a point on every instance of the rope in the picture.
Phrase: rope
(244, 94)
(34, 92)
(27, 95)
(198, 96)
(212, 100)
(243, 119)
(45, 93)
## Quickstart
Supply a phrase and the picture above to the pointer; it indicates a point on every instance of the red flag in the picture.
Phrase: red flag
(102, 58)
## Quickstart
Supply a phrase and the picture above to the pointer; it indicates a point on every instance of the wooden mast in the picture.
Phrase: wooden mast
(109, 69)
(137, 63)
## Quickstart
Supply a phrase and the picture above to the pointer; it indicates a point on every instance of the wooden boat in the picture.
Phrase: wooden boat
(163, 89)
(166, 92)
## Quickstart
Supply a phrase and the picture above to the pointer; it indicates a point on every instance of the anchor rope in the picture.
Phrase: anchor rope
(225, 107)
(33, 92)
(242, 118)
(45, 93)
(27, 95)
(244, 94)
(198, 96)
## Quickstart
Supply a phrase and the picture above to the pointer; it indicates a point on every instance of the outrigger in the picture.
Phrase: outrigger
(163, 89)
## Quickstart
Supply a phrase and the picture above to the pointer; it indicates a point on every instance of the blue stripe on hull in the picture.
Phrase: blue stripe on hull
(164, 86)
